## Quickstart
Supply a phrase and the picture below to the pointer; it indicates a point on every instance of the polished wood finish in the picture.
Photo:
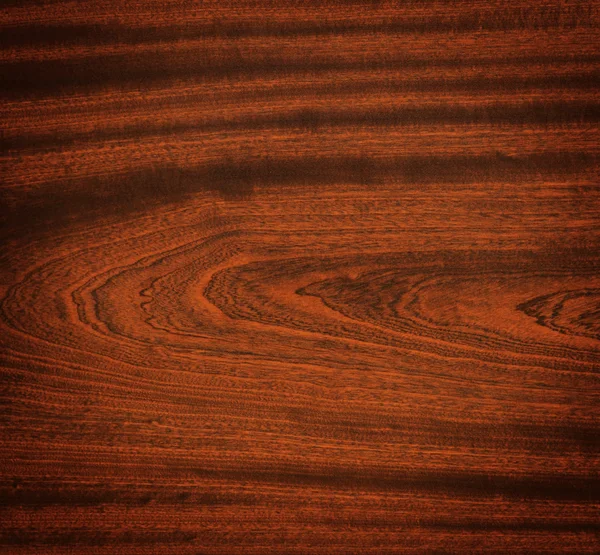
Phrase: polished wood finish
(300, 277)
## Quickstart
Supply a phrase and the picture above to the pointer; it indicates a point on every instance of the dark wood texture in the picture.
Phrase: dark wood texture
(299, 277)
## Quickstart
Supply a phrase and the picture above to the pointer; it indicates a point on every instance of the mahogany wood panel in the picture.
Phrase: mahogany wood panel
(299, 277)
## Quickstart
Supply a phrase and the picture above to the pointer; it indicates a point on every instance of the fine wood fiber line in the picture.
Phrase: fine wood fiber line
(299, 277)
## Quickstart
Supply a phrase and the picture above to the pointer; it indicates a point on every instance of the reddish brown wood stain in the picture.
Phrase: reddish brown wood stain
(300, 277)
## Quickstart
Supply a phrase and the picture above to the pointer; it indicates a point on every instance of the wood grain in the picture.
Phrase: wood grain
(300, 277)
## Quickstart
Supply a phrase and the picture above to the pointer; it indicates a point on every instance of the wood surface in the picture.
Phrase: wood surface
(299, 277)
